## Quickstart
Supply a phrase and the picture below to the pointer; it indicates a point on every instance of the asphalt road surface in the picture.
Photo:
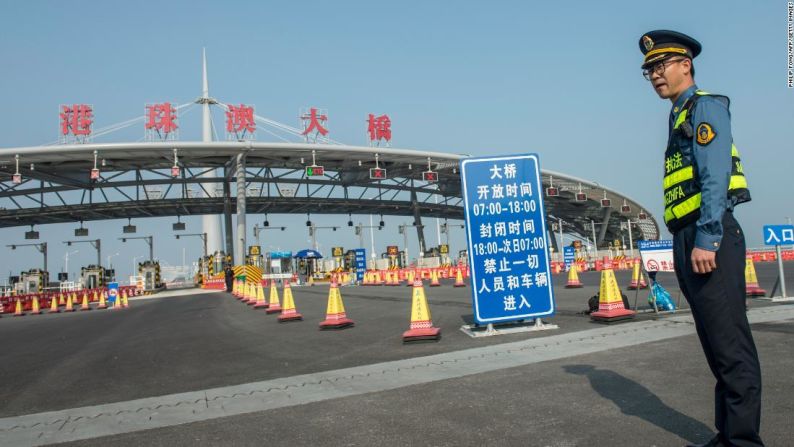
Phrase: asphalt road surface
(640, 383)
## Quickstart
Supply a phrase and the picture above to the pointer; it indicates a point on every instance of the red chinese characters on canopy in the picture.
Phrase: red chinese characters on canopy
(379, 128)
(316, 123)
(240, 121)
(161, 119)
(76, 120)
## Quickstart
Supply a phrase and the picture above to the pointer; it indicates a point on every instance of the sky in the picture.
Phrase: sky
(560, 79)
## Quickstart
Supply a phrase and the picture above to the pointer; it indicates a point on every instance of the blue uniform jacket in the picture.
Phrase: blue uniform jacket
(712, 164)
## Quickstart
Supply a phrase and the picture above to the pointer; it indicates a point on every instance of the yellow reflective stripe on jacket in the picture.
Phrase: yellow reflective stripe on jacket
(734, 151)
(682, 209)
(737, 182)
(679, 176)
(680, 119)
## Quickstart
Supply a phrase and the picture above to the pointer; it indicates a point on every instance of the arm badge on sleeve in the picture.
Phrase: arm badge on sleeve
(705, 134)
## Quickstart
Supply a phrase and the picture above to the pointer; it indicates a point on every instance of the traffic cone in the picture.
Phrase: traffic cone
(124, 301)
(573, 278)
(273, 305)
(311, 280)
(251, 294)
(610, 301)
(261, 302)
(102, 302)
(409, 278)
(637, 278)
(35, 309)
(69, 303)
(289, 313)
(434, 279)
(84, 305)
(335, 317)
(421, 323)
(54, 305)
(752, 288)
(18, 311)
(95, 297)
(61, 300)
(459, 279)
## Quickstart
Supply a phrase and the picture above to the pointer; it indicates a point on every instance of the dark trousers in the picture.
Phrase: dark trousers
(717, 300)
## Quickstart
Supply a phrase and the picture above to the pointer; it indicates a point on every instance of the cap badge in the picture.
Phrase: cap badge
(647, 42)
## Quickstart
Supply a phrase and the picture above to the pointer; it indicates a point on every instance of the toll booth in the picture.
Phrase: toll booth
(393, 256)
(149, 271)
(255, 257)
(92, 277)
(337, 255)
(32, 281)
(279, 262)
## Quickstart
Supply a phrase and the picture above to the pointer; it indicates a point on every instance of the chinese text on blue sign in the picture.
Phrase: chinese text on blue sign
(506, 232)
(361, 264)
(568, 256)
(778, 234)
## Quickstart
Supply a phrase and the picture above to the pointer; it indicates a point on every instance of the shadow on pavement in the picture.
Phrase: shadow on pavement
(635, 400)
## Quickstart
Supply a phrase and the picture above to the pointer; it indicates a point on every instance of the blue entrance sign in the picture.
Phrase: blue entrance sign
(778, 234)
(506, 233)
(113, 293)
(568, 256)
(361, 264)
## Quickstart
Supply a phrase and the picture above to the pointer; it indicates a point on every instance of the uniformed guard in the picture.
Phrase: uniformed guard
(703, 182)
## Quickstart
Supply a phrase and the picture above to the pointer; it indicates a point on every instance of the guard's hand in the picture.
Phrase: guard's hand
(703, 261)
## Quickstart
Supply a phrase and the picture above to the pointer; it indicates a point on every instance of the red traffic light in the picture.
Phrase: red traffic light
(430, 176)
(377, 173)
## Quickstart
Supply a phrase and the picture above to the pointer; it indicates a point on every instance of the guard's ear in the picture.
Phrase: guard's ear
(687, 63)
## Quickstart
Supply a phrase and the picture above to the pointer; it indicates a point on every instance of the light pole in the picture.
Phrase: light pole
(360, 232)
(629, 223)
(41, 247)
(97, 243)
(203, 237)
(66, 260)
(110, 266)
(149, 240)
(313, 233)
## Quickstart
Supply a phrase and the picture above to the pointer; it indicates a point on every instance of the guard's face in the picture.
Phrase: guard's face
(668, 76)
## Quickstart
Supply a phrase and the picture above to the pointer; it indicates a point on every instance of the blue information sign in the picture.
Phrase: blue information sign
(113, 293)
(568, 256)
(506, 232)
(778, 234)
(361, 264)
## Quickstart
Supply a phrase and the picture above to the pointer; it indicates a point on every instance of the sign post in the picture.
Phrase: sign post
(361, 264)
(507, 243)
(113, 293)
(656, 256)
(778, 235)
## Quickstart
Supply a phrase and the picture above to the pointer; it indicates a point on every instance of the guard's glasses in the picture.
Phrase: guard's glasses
(659, 67)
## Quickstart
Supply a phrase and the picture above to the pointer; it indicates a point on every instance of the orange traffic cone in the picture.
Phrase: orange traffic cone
(289, 313)
(637, 278)
(273, 305)
(69, 303)
(752, 288)
(61, 300)
(35, 309)
(84, 305)
(95, 297)
(251, 294)
(610, 301)
(124, 301)
(459, 279)
(54, 305)
(18, 311)
(102, 303)
(261, 302)
(409, 278)
(421, 323)
(573, 278)
(434, 279)
(335, 316)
